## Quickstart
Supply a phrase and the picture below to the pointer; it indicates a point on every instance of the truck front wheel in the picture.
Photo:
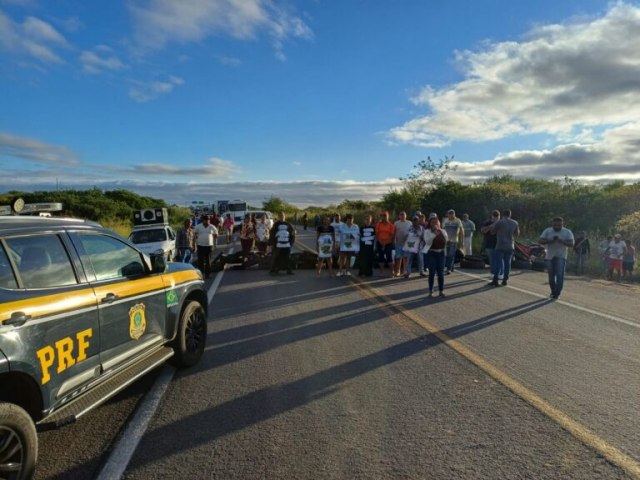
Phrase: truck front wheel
(18, 443)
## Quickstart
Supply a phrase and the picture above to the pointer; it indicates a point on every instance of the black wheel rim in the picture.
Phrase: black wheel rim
(195, 331)
(11, 453)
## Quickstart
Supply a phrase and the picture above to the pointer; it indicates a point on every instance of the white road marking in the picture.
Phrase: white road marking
(562, 302)
(126, 445)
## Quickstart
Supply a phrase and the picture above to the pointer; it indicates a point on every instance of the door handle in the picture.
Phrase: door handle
(17, 319)
(110, 298)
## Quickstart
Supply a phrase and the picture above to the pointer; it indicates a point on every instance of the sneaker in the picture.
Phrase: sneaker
(493, 283)
(422, 274)
(430, 295)
(347, 273)
(441, 294)
(504, 283)
(339, 274)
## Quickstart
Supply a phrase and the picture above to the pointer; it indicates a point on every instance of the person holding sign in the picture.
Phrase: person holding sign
(349, 245)
(413, 243)
(326, 240)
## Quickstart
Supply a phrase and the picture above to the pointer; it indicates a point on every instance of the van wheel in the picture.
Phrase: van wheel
(18, 443)
(188, 346)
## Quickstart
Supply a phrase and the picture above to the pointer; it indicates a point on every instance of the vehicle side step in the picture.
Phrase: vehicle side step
(103, 391)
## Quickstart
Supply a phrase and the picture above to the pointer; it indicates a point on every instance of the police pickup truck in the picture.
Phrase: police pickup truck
(83, 314)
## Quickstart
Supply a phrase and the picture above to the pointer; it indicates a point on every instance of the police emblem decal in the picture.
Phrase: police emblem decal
(137, 321)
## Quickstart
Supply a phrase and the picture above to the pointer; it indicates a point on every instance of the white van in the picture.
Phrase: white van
(158, 239)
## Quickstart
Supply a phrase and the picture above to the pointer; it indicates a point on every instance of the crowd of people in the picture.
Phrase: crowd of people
(395, 247)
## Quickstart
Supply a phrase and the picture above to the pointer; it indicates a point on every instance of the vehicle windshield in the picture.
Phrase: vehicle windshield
(236, 207)
(148, 236)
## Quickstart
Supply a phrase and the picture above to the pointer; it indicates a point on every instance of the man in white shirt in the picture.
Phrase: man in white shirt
(206, 237)
(402, 226)
(557, 240)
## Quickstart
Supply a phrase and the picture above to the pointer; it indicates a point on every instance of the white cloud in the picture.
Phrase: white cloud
(146, 91)
(159, 22)
(558, 80)
(32, 150)
(615, 157)
(100, 60)
(213, 167)
(32, 38)
(228, 61)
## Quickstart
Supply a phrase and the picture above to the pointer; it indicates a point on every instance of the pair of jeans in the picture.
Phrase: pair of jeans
(435, 264)
(580, 262)
(556, 267)
(204, 259)
(410, 256)
(501, 261)
(492, 262)
(184, 255)
(450, 260)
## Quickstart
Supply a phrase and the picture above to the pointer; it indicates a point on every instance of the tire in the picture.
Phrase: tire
(188, 346)
(18, 443)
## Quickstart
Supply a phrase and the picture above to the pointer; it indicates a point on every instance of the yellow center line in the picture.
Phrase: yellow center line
(586, 436)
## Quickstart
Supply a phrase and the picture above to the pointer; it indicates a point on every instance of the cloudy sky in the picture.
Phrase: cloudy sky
(316, 101)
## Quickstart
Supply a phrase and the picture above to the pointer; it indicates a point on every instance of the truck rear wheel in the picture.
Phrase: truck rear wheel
(18, 443)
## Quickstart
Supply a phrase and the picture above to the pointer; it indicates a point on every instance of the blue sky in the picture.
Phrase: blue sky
(313, 101)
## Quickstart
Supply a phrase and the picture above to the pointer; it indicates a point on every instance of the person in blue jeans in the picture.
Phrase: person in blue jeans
(505, 229)
(435, 242)
(557, 240)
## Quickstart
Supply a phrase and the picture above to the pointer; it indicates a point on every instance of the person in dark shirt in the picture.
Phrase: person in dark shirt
(367, 246)
(326, 241)
(282, 237)
(490, 240)
(582, 251)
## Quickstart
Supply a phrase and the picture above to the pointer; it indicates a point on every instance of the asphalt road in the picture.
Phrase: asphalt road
(308, 377)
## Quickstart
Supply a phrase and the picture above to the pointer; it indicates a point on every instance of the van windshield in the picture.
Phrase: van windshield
(148, 236)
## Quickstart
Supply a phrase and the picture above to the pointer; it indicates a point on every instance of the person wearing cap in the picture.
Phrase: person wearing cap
(206, 236)
(617, 249)
(469, 228)
(455, 233)
(557, 240)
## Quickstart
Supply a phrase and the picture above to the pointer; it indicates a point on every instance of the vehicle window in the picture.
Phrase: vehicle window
(42, 261)
(7, 279)
(148, 236)
(111, 258)
(172, 234)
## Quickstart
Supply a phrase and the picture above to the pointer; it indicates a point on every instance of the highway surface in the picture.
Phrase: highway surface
(307, 377)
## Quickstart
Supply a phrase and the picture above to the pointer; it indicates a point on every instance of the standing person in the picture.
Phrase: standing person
(628, 261)
(262, 234)
(435, 243)
(367, 245)
(337, 224)
(490, 240)
(186, 242)
(305, 220)
(227, 225)
(349, 245)
(455, 233)
(557, 239)
(582, 251)
(401, 226)
(325, 240)
(385, 234)
(421, 262)
(506, 229)
(215, 221)
(617, 249)
(469, 227)
(206, 236)
(247, 234)
(413, 245)
(603, 249)
(316, 220)
(282, 237)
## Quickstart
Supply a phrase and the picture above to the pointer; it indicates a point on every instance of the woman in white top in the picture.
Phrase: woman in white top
(262, 234)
